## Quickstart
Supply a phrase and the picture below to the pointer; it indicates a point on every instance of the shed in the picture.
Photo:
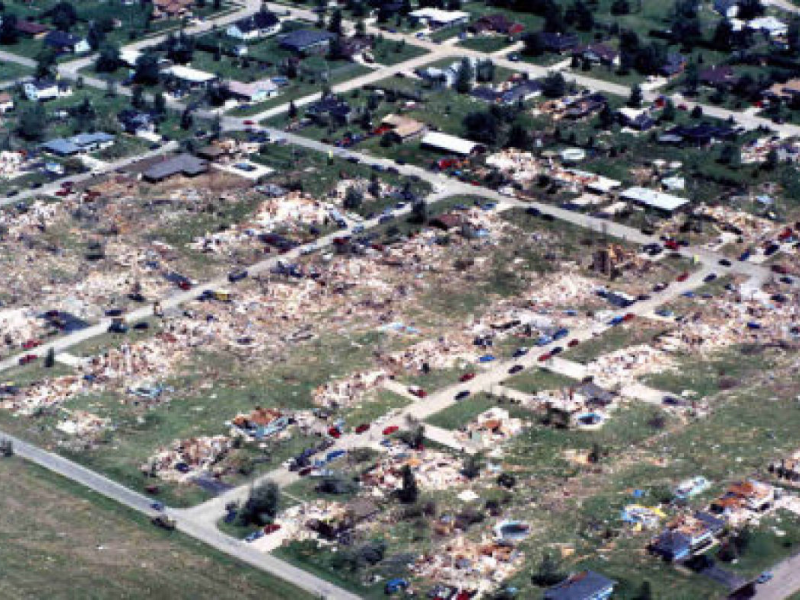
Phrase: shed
(437, 140)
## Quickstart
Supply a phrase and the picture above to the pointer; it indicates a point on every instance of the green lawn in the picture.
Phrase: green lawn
(535, 380)
(485, 43)
(62, 541)
(464, 411)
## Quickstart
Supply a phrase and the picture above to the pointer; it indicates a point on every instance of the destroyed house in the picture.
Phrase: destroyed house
(673, 65)
(136, 121)
(597, 53)
(685, 536)
(182, 164)
(586, 585)
(745, 495)
(584, 106)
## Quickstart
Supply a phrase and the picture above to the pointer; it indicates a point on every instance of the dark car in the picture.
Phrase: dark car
(462, 394)
(362, 428)
(515, 369)
(237, 276)
(725, 262)
(141, 326)
(118, 327)
(710, 277)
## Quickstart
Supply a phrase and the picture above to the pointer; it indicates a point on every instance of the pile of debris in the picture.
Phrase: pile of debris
(348, 391)
(625, 366)
(464, 563)
(432, 470)
(491, 427)
(446, 352)
(259, 424)
(185, 459)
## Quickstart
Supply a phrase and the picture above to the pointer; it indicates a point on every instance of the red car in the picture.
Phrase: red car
(573, 343)
(390, 429)
(334, 432)
(31, 344)
(545, 357)
(184, 285)
(305, 471)
(271, 528)
(362, 428)
(629, 317)
(248, 122)
(682, 277)
(672, 245)
(418, 392)
(66, 184)
(467, 377)
(28, 358)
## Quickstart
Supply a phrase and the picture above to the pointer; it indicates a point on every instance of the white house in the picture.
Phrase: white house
(436, 18)
(192, 77)
(774, 27)
(39, 90)
(258, 25)
(6, 102)
(255, 92)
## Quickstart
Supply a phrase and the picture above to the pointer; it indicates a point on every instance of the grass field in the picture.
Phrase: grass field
(62, 541)
(464, 411)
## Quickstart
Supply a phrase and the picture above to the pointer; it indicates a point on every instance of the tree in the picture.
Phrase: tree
(723, 36)
(635, 99)
(63, 16)
(353, 199)
(554, 85)
(160, 104)
(548, 573)
(137, 97)
(533, 45)
(108, 59)
(729, 155)
(146, 71)
(645, 591)
(792, 36)
(409, 491)
(697, 112)
(95, 36)
(32, 122)
(581, 16)
(606, 117)
(595, 454)
(262, 504)
(84, 115)
(45, 63)
(465, 76)
(8, 30)
(470, 467)
(335, 23)
(620, 7)
(292, 110)
(6, 448)
(554, 18)
(187, 120)
(419, 211)
(668, 113)
(361, 28)
(483, 126)
(691, 78)
(50, 358)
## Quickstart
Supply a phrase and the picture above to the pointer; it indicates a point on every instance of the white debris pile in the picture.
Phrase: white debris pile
(625, 366)
(758, 150)
(84, 425)
(37, 217)
(11, 164)
(564, 289)
(348, 391)
(292, 212)
(443, 353)
(45, 395)
(491, 427)
(185, 459)
(521, 166)
(432, 470)
(146, 359)
(19, 325)
(464, 563)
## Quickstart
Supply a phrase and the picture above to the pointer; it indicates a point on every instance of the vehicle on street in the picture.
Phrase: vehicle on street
(515, 369)
(466, 377)
(27, 359)
(462, 394)
(390, 430)
(364, 427)
(764, 577)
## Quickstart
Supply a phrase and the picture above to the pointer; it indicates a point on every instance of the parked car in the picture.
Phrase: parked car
(545, 357)
(334, 432)
(520, 352)
(364, 427)
(486, 358)
(27, 359)
(725, 262)
(573, 343)
(254, 536)
(235, 276)
(764, 577)
(390, 430)
(466, 377)
(710, 277)
(682, 277)
(418, 392)
(515, 369)
(271, 528)
(31, 344)
(462, 394)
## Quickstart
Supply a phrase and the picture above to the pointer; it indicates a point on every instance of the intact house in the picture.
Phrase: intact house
(558, 43)
(435, 18)
(586, 585)
(254, 92)
(727, 8)
(718, 77)
(354, 46)
(66, 43)
(685, 536)
(82, 143)
(673, 65)
(403, 129)
(330, 109)
(769, 25)
(172, 9)
(509, 93)
(655, 200)
(497, 23)
(6, 102)
(192, 78)
(788, 92)
(307, 41)
(639, 119)
(600, 54)
(450, 144)
(584, 105)
(39, 90)
(136, 122)
(697, 135)
(30, 29)
(447, 76)
(181, 164)
(259, 25)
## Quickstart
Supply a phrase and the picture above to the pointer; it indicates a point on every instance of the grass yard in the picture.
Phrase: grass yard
(642, 331)
(488, 44)
(464, 411)
(536, 380)
(62, 541)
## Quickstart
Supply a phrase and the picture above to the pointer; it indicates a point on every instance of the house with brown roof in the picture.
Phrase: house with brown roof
(404, 128)
(785, 92)
(172, 9)
(497, 23)
(31, 29)
(721, 76)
